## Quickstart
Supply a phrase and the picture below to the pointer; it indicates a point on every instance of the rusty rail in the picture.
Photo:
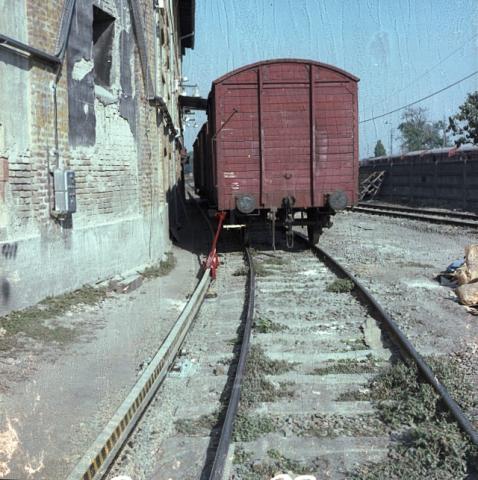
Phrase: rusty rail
(458, 219)
(227, 427)
(407, 350)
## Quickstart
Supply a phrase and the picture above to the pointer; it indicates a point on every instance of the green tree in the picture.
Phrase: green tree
(379, 149)
(418, 133)
(465, 122)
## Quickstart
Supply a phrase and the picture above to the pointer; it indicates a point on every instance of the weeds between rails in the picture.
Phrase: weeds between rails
(427, 441)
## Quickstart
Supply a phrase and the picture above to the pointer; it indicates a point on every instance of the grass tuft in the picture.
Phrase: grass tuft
(255, 386)
(197, 426)
(272, 259)
(367, 365)
(265, 325)
(341, 285)
(276, 463)
(431, 444)
(161, 269)
(31, 321)
(250, 427)
(241, 272)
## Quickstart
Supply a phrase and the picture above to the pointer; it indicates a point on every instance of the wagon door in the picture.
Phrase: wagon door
(285, 133)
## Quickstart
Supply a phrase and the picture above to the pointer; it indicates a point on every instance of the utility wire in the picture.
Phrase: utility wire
(396, 92)
(420, 99)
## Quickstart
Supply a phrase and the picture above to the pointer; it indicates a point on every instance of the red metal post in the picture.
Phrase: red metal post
(212, 261)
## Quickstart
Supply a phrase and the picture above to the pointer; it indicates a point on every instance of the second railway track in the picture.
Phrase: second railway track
(433, 215)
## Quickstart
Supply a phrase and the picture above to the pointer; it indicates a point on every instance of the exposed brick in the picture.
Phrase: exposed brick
(122, 175)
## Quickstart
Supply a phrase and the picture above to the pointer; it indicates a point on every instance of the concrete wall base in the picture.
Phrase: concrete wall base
(47, 264)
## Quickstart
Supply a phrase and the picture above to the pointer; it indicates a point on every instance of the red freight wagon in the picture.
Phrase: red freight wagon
(281, 138)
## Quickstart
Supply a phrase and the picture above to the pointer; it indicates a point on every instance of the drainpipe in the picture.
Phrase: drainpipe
(62, 43)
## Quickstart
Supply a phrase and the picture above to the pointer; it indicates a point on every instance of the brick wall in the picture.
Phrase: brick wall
(116, 141)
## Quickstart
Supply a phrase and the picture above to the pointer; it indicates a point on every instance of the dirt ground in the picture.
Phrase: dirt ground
(67, 364)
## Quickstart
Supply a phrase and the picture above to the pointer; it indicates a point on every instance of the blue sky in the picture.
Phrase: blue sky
(393, 46)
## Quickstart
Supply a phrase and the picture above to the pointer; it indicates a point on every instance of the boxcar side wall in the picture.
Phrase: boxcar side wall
(212, 193)
(286, 128)
(445, 178)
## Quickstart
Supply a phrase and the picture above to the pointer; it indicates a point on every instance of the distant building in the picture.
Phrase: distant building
(90, 135)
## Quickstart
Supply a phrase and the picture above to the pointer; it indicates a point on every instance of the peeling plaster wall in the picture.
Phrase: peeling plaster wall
(113, 139)
(14, 110)
(107, 173)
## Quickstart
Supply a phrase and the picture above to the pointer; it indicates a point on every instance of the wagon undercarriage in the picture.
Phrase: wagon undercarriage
(314, 219)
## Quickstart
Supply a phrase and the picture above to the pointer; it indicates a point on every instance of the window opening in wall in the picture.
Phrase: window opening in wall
(103, 33)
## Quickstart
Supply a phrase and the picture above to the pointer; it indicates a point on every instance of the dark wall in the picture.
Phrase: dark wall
(438, 178)
(81, 93)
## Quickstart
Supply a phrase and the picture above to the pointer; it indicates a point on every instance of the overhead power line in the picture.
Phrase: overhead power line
(426, 72)
(420, 99)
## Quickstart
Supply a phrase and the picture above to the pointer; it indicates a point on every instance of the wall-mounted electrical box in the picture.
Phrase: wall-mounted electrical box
(65, 191)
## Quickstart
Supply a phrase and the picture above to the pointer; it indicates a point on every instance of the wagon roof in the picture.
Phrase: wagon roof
(285, 60)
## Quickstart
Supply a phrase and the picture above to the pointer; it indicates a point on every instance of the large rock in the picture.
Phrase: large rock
(469, 271)
(471, 261)
(468, 294)
(462, 275)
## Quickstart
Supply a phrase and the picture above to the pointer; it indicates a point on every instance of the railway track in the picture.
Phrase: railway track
(326, 354)
(441, 216)
(179, 435)
(313, 383)
(307, 344)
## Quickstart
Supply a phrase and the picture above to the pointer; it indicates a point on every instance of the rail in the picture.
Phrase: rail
(95, 462)
(459, 219)
(407, 350)
(227, 427)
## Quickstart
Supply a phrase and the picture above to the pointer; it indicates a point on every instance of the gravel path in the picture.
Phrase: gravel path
(397, 260)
